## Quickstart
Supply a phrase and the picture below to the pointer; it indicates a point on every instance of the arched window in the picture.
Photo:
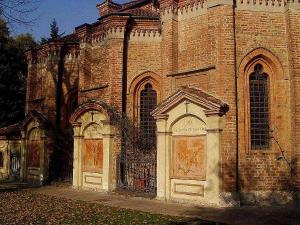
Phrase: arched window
(259, 108)
(1, 159)
(148, 101)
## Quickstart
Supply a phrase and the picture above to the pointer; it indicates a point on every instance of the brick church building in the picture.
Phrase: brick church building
(213, 87)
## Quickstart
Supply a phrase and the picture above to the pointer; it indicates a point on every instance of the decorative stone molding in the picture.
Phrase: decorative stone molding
(188, 153)
(145, 35)
(268, 5)
(93, 160)
(85, 107)
(211, 105)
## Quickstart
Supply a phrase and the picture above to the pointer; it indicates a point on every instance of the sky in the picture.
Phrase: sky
(68, 14)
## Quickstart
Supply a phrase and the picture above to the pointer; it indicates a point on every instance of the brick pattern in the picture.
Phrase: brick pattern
(261, 170)
(187, 37)
(294, 59)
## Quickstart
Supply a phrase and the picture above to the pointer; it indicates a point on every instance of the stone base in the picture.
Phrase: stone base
(268, 198)
(3, 176)
(251, 198)
(225, 199)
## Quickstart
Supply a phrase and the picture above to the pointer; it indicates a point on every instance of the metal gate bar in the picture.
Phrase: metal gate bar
(137, 174)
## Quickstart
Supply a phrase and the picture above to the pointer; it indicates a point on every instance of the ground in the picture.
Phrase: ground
(27, 207)
(61, 204)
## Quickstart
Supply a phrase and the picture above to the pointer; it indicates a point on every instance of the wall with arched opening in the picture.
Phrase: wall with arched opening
(261, 169)
(94, 165)
(134, 90)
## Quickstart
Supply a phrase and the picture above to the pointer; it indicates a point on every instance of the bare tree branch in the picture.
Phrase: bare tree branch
(18, 11)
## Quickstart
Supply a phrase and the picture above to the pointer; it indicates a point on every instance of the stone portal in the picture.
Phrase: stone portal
(188, 147)
(92, 148)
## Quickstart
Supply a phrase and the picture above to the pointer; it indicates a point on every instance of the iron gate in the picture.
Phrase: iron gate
(15, 165)
(137, 172)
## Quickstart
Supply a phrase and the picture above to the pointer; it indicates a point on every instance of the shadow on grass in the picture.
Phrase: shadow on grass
(10, 186)
(197, 222)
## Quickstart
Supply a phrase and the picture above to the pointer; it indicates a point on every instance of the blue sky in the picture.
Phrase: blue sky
(68, 14)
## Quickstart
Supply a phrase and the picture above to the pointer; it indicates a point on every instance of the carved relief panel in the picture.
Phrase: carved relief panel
(93, 155)
(189, 157)
(93, 149)
(189, 149)
(34, 148)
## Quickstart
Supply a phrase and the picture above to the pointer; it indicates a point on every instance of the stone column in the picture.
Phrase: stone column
(162, 154)
(76, 158)
(213, 159)
(23, 169)
(42, 156)
(8, 171)
(107, 157)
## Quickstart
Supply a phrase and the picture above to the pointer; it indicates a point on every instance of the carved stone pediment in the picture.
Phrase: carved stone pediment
(37, 117)
(210, 104)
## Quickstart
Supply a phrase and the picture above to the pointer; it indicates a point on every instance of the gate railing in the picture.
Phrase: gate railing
(137, 173)
(15, 164)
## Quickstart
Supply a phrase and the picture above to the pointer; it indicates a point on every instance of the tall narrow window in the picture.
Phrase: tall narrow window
(148, 102)
(259, 108)
(1, 159)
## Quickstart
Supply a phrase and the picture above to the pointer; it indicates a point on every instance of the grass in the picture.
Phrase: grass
(25, 207)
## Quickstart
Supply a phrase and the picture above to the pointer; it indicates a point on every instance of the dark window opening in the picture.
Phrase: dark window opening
(259, 108)
(1, 159)
(148, 102)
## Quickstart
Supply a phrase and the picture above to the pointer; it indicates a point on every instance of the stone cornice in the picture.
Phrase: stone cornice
(268, 5)
(198, 7)
(188, 72)
(135, 34)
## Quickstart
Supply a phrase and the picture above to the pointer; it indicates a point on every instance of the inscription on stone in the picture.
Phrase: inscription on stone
(189, 157)
(189, 126)
(93, 155)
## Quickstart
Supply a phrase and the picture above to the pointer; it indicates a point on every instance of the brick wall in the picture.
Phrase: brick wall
(266, 32)
(194, 45)
(293, 28)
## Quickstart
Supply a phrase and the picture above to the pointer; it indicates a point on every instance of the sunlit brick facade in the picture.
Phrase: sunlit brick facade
(211, 45)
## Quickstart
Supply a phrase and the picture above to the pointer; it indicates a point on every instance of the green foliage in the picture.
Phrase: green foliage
(13, 70)
(43, 40)
(54, 33)
(54, 30)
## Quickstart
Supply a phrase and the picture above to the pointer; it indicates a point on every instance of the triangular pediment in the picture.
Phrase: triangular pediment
(35, 116)
(210, 104)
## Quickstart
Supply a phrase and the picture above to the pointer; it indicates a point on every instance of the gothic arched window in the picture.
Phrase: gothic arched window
(148, 101)
(259, 108)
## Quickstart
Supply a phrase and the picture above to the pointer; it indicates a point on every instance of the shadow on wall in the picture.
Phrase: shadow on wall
(267, 181)
(61, 160)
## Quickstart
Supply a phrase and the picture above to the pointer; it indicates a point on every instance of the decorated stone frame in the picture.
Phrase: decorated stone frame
(34, 152)
(194, 117)
(93, 134)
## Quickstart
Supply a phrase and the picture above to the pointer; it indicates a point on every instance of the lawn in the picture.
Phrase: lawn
(25, 207)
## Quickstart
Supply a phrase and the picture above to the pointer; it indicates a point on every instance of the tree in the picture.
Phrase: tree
(54, 30)
(18, 11)
(54, 33)
(24, 42)
(13, 70)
